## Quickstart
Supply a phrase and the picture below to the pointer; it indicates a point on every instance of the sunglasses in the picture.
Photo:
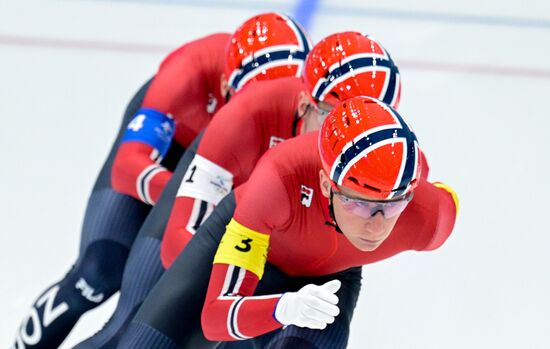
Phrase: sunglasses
(321, 113)
(368, 208)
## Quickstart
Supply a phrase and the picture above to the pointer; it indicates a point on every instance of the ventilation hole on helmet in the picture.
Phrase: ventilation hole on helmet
(354, 180)
(364, 185)
(335, 95)
(371, 188)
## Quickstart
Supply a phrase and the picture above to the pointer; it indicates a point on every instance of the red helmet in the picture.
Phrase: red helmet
(349, 64)
(266, 46)
(366, 146)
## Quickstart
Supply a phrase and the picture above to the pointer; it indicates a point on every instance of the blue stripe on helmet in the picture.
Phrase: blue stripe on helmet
(302, 35)
(395, 132)
(264, 59)
(361, 63)
(274, 56)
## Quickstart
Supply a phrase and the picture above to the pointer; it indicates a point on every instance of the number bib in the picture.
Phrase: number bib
(205, 180)
(151, 127)
(244, 248)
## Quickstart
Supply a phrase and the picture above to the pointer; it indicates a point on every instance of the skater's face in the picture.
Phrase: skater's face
(365, 231)
(313, 114)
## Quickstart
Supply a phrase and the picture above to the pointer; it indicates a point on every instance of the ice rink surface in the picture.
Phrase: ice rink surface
(476, 82)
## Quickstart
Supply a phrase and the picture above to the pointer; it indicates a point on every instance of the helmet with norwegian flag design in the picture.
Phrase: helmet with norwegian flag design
(366, 146)
(266, 46)
(349, 64)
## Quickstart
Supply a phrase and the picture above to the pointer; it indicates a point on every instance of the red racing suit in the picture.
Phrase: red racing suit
(185, 94)
(260, 116)
(282, 218)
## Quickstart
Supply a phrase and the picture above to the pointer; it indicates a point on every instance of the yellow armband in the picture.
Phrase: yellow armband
(244, 248)
(450, 191)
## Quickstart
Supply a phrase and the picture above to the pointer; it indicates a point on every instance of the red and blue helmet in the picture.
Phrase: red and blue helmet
(349, 64)
(266, 46)
(366, 146)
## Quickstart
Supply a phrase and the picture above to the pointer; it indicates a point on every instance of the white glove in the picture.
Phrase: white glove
(312, 306)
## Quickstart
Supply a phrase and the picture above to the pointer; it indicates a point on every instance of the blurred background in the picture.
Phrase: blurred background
(476, 79)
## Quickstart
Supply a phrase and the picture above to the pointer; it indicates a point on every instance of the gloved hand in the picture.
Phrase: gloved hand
(312, 306)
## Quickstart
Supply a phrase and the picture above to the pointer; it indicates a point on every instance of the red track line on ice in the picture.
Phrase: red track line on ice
(76, 44)
(54, 43)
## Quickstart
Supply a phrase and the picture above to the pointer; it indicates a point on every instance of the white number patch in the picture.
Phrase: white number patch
(137, 123)
(205, 180)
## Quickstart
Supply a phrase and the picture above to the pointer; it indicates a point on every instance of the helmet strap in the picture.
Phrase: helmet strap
(333, 224)
(296, 124)
(227, 96)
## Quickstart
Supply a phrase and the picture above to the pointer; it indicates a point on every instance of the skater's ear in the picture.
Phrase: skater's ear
(324, 181)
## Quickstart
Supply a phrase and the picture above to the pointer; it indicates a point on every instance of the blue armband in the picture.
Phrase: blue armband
(150, 127)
